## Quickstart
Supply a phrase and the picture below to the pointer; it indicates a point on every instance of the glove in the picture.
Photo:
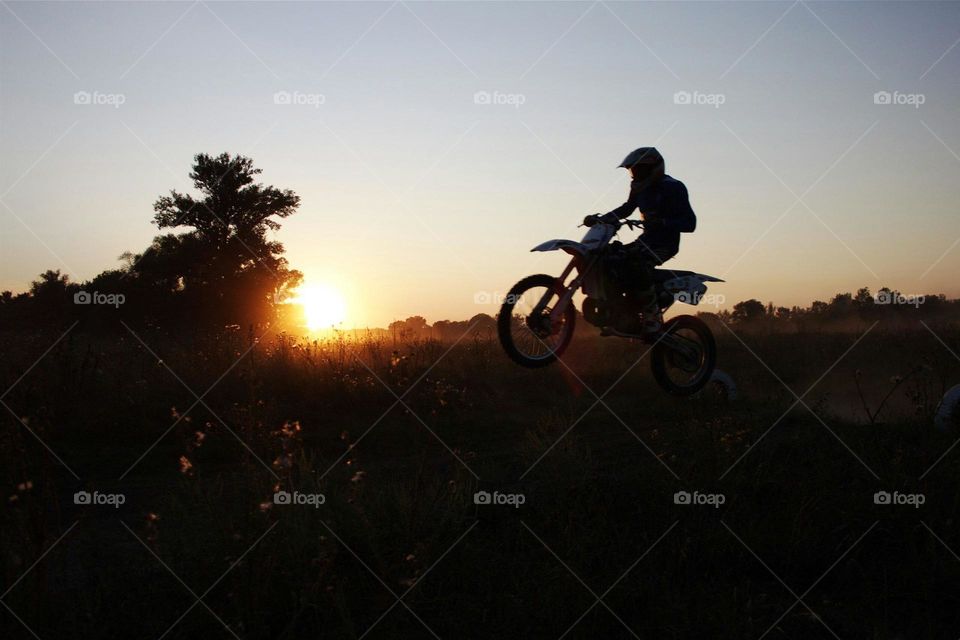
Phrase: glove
(597, 218)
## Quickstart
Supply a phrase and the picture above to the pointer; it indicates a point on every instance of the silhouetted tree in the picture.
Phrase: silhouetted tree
(225, 269)
(52, 285)
(416, 324)
(818, 308)
(412, 327)
(445, 329)
(748, 311)
(52, 297)
(841, 306)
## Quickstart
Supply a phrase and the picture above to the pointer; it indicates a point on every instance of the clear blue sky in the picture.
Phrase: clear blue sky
(416, 197)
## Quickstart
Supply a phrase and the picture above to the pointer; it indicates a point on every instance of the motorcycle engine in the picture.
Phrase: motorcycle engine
(602, 313)
(596, 312)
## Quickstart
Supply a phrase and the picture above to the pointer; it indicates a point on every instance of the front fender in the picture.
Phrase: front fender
(570, 246)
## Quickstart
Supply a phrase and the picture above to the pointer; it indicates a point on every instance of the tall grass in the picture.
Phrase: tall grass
(399, 516)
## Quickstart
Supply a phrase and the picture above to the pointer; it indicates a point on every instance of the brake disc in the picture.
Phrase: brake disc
(540, 326)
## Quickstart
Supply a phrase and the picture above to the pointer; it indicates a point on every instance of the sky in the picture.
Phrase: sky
(434, 143)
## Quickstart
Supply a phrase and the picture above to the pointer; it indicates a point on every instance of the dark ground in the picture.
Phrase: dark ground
(399, 549)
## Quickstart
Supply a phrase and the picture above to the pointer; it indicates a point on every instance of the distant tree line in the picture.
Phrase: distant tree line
(417, 327)
(843, 311)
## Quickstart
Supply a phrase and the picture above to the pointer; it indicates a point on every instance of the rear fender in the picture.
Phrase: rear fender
(687, 289)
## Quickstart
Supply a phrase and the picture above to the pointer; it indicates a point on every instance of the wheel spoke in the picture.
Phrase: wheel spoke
(530, 334)
(685, 369)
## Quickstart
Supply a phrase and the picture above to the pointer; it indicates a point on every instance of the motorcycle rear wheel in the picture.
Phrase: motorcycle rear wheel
(693, 368)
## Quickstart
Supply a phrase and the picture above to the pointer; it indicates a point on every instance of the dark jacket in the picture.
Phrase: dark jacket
(666, 200)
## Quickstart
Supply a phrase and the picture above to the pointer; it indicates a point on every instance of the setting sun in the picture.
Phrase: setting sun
(323, 306)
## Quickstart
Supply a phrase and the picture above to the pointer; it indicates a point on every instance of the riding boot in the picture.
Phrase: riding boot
(651, 319)
(650, 312)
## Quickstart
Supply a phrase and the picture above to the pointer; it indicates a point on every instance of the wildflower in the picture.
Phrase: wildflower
(289, 430)
(185, 465)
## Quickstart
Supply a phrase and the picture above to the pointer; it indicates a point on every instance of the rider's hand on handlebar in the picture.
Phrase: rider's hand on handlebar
(597, 218)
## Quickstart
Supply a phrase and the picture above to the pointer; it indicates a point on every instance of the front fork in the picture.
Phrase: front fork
(566, 291)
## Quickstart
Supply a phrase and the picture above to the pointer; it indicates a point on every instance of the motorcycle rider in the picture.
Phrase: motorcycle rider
(665, 207)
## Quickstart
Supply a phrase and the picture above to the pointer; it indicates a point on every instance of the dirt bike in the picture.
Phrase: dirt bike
(536, 320)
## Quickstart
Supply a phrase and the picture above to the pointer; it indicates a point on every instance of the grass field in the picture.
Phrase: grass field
(195, 438)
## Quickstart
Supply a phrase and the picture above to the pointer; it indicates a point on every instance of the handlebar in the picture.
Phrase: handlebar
(630, 224)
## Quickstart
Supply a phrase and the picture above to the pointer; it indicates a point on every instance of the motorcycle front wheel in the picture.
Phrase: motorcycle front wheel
(683, 359)
(530, 339)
